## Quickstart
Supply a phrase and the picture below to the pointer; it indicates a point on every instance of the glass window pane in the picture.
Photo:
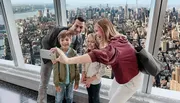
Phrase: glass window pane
(33, 19)
(128, 16)
(5, 51)
(169, 51)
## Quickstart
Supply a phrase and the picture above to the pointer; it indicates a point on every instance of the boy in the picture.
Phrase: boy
(65, 74)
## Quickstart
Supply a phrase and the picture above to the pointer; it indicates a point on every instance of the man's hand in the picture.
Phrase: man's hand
(76, 86)
(58, 89)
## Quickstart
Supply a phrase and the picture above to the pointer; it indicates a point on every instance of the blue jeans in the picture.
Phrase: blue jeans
(66, 91)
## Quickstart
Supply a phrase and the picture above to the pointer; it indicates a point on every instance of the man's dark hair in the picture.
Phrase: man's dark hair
(80, 18)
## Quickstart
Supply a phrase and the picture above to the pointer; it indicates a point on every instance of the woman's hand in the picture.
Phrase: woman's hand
(62, 57)
(73, 60)
(54, 50)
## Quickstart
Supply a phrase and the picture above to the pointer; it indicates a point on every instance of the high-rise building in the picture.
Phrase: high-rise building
(48, 15)
(40, 14)
(78, 12)
(174, 34)
(67, 13)
(136, 9)
(126, 11)
(89, 13)
(129, 14)
(113, 12)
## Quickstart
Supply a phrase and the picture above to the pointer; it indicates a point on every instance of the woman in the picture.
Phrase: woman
(117, 52)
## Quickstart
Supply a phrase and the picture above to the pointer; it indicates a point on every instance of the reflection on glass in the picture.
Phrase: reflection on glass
(4, 96)
(5, 52)
(13, 94)
(130, 17)
(33, 23)
(169, 51)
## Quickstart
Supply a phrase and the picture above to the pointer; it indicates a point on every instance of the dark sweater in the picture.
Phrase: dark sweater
(51, 40)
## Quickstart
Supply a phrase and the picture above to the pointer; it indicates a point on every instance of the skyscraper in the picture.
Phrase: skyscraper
(40, 14)
(48, 15)
(136, 9)
(126, 11)
(89, 13)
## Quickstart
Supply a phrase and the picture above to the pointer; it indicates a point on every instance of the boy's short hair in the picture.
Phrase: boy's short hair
(65, 33)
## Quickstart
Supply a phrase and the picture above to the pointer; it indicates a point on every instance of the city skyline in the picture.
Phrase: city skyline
(94, 2)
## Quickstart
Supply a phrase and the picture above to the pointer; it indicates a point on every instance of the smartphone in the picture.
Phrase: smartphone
(47, 54)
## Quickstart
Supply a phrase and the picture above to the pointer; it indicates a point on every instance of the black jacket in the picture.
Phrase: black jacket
(50, 40)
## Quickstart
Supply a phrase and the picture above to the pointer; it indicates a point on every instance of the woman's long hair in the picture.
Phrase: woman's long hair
(108, 29)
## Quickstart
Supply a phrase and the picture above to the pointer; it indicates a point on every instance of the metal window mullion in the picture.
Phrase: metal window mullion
(63, 12)
(60, 12)
(156, 21)
(12, 34)
(57, 11)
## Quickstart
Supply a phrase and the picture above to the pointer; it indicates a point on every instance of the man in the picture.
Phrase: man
(50, 41)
